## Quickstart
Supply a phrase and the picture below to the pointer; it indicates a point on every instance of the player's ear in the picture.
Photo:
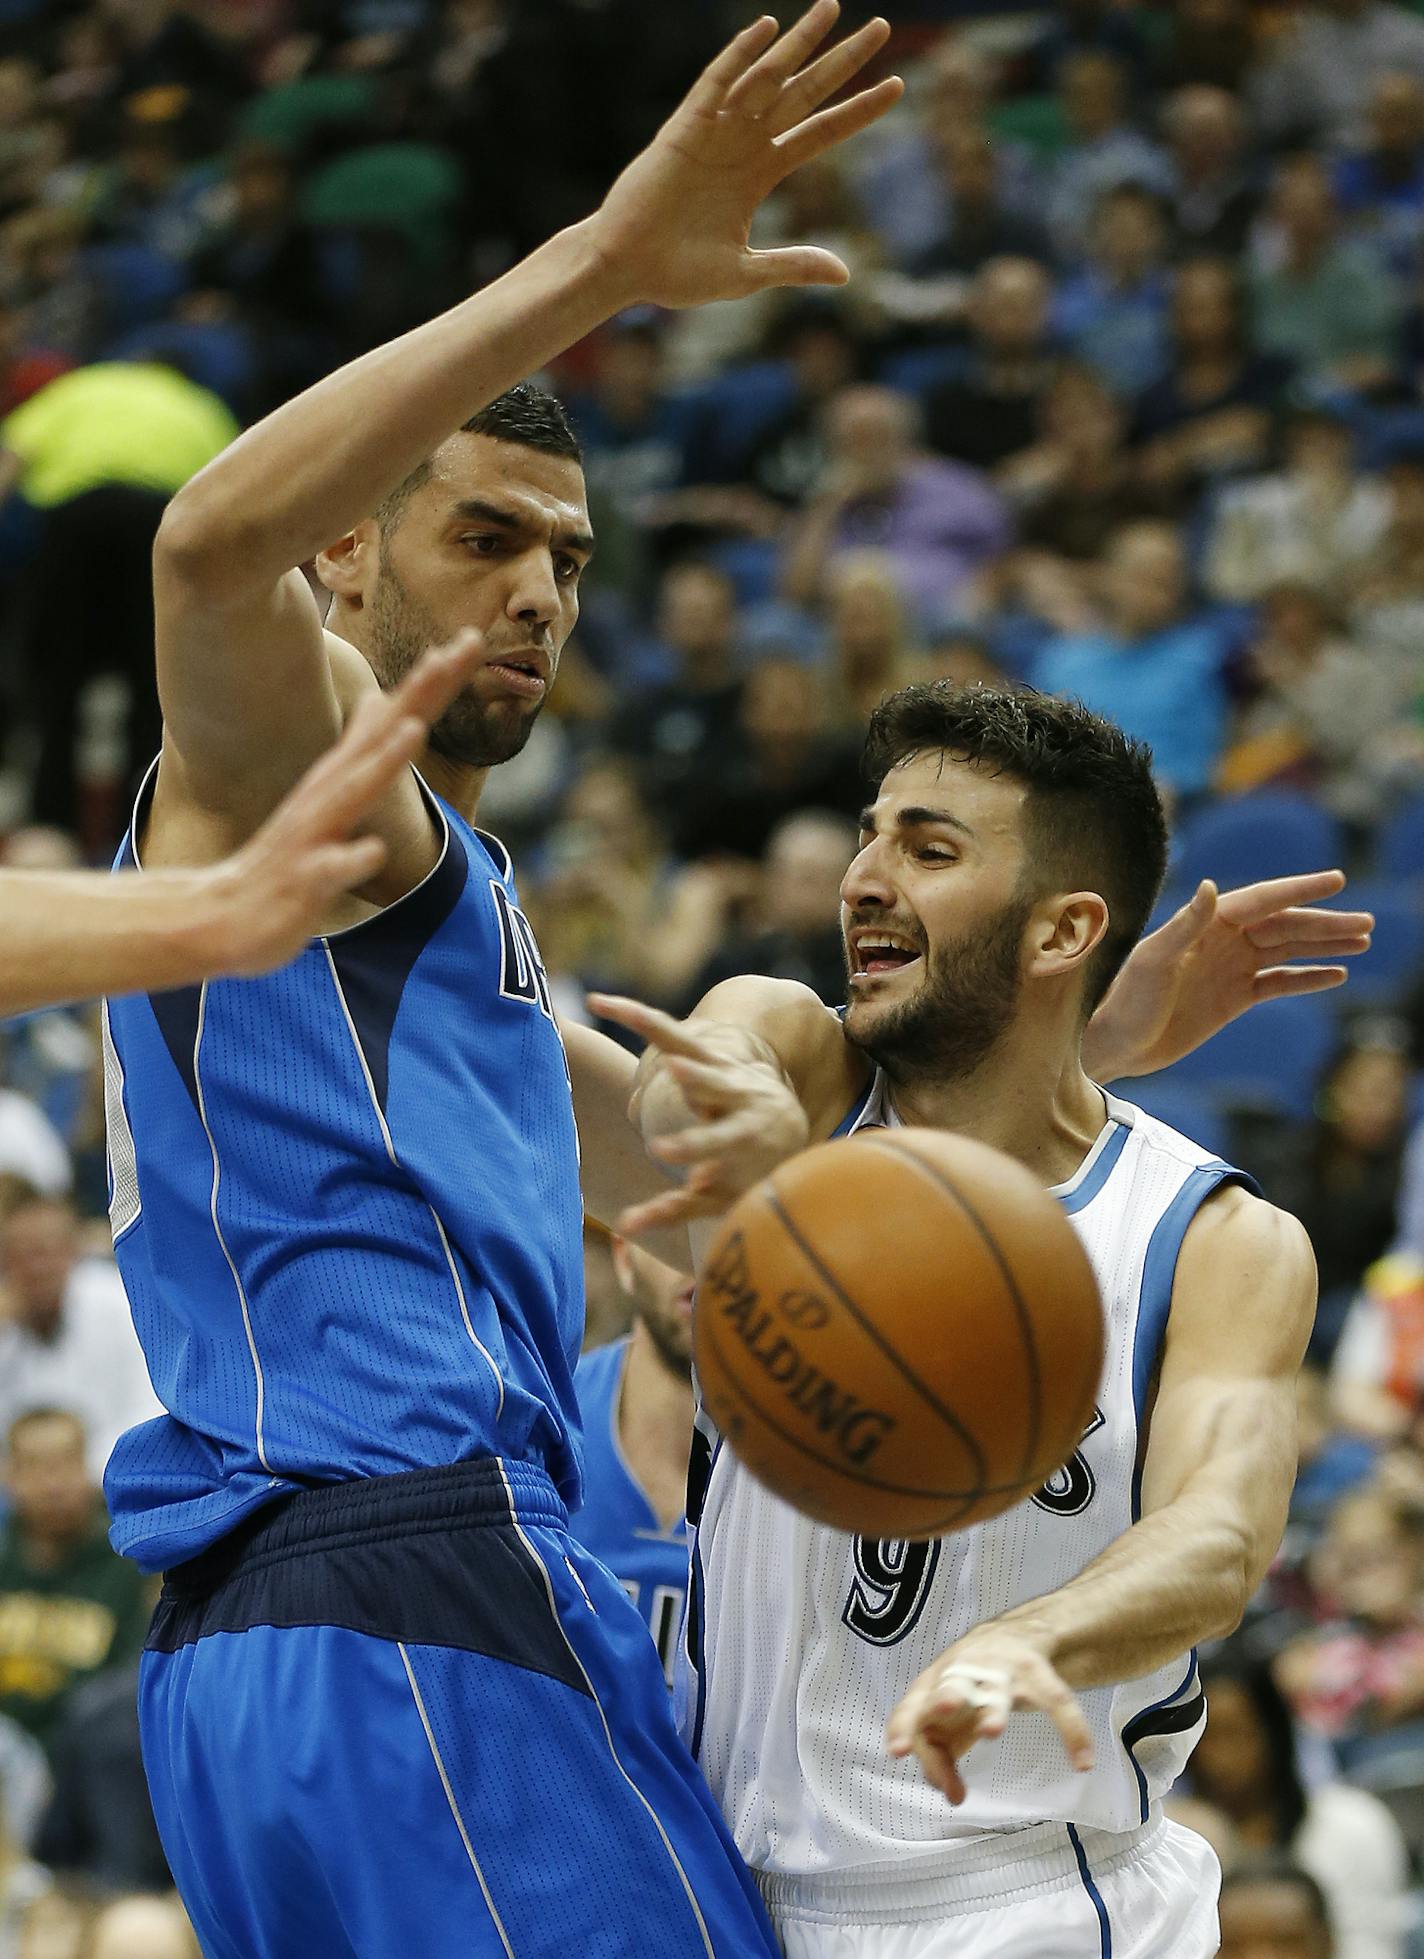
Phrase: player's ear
(1064, 932)
(350, 565)
(622, 1256)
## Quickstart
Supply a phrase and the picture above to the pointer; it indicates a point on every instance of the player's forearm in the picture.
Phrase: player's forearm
(1180, 1576)
(74, 935)
(312, 469)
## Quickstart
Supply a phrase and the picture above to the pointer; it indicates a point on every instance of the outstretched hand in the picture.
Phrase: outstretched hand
(733, 1117)
(1217, 956)
(676, 224)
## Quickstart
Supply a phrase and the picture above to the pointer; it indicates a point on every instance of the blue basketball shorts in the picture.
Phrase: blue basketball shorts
(409, 1718)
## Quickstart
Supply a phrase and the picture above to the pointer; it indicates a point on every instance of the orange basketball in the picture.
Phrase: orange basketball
(899, 1333)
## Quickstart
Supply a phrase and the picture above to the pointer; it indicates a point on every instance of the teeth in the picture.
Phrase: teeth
(886, 945)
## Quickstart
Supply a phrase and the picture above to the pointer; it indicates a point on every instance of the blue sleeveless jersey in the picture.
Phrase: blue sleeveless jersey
(345, 1202)
(617, 1522)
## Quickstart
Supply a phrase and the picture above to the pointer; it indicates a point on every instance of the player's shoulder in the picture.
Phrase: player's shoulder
(1242, 1251)
(827, 1073)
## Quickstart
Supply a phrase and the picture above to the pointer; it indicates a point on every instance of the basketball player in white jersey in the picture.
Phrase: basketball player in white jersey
(72, 935)
(1037, 1672)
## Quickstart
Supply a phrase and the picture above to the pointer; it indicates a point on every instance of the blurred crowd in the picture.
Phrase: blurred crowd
(1125, 399)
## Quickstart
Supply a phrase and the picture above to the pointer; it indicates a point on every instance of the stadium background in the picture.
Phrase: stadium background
(1125, 398)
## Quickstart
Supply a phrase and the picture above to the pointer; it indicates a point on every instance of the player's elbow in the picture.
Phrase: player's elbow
(200, 546)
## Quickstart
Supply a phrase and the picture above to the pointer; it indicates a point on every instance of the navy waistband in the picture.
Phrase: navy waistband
(488, 1492)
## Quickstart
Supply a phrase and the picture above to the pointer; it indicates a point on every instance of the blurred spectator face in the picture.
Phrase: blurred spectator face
(1303, 203)
(1129, 233)
(1406, 497)
(1205, 130)
(143, 1928)
(36, 847)
(1232, 1756)
(866, 615)
(1296, 621)
(1008, 308)
(1206, 314)
(1272, 1919)
(1320, 446)
(149, 158)
(970, 168)
(966, 662)
(39, 1242)
(262, 184)
(19, 92)
(48, 1479)
(1397, 116)
(1144, 578)
(661, 1299)
(697, 613)
(606, 806)
(1366, 1098)
(960, 85)
(806, 859)
(1080, 413)
(871, 433)
(630, 366)
(818, 199)
(1093, 89)
(781, 707)
(1369, 1563)
(825, 355)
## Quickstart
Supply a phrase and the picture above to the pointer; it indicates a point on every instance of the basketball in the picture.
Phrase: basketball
(899, 1333)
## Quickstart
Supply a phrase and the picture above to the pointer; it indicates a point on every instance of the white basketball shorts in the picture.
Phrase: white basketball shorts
(1158, 1901)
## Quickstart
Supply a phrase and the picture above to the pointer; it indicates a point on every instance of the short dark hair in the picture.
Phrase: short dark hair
(1251, 1672)
(524, 414)
(1093, 818)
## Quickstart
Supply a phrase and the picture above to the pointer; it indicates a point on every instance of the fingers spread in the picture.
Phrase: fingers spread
(1303, 925)
(816, 84)
(709, 91)
(821, 132)
(763, 82)
(1281, 982)
(655, 1026)
(1255, 902)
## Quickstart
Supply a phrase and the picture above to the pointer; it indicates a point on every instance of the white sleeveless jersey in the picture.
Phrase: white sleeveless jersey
(800, 1640)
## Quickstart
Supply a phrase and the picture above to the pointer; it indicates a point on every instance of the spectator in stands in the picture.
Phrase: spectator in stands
(149, 194)
(1358, 1679)
(56, 1926)
(1113, 312)
(1271, 1909)
(1205, 44)
(792, 929)
(1211, 415)
(1321, 299)
(980, 221)
(1377, 1379)
(635, 1395)
(988, 410)
(1153, 664)
(1316, 705)
(31, 1149)
(69, 1606)
(1246, 1764)
(1381, 187)
(937, 520)
(66, 1334)
(99, 1823)
(1104, 150)
(1077, 483)
(1316, 521)
(25, 367)
(633, 427)
(99, 452)
(872, 649)
(692, 714)
(1317, 83)
(1213, 200)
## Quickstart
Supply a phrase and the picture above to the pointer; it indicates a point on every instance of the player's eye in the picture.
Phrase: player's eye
(567, 568)
(483, 543)
(931, 853)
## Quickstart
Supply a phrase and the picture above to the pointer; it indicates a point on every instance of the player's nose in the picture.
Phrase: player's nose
(534, 590)
(865, 885)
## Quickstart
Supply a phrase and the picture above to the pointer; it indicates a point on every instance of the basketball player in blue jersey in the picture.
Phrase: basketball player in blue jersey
(635, 1399)
(1009, 859)
(390, 1708)
(72, 935)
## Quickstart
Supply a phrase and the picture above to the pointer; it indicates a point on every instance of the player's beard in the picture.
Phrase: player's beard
(667, 1328)
(967, 1001)
(476, 733)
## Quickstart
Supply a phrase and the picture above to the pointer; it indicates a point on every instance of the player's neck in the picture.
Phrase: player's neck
(1034, 1103)
(655, 1426)
(456, 783)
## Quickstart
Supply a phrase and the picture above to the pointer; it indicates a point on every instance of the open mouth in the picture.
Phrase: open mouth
(879, 953)
(523, 676)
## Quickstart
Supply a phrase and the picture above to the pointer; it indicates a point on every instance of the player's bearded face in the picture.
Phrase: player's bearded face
(956, 1016)
(662, 1300)
(478, 733)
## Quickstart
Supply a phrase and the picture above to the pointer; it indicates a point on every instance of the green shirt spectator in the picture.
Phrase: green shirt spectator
(69, 1605)
(139, 424)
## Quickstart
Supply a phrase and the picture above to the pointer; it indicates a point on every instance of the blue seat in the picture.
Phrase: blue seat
(1401, 843)
(1270, 1058)
(1396, 954)
(1183, 1107)
(1269, 834)
(733, 410)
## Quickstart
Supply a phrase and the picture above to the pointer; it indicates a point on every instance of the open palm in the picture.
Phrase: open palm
(675, 226)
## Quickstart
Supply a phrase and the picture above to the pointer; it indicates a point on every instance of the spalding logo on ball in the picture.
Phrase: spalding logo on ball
(899, 1333)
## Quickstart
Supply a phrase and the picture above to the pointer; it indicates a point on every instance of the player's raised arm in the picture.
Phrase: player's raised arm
(1214, 958)
(245, 676)
(71, 935)
(1217, 1476)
